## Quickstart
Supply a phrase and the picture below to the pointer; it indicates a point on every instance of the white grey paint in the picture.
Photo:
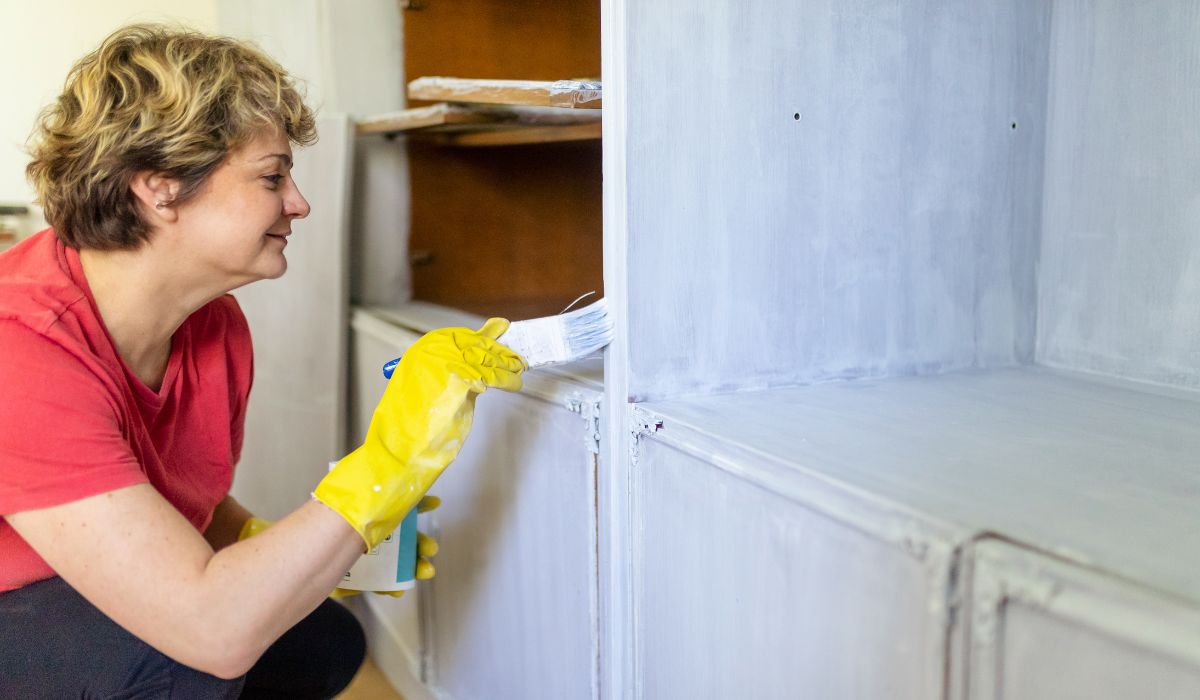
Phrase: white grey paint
(1120, 269)
(1043, 629)
(890, 230)
(743, 594)
(512, 612)
(617, 661)
(295, 421)
(1103, 473)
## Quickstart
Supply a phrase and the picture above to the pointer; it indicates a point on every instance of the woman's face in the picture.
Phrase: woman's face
(237, 225)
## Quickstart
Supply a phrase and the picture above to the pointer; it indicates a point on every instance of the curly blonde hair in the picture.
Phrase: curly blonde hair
(156, 98)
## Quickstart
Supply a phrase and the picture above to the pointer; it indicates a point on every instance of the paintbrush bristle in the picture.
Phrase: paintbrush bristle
(563, 338)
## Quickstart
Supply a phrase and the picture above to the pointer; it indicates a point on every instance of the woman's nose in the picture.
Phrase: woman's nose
(295, 206)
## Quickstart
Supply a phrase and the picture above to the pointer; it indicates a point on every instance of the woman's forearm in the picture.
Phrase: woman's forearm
(266, 584)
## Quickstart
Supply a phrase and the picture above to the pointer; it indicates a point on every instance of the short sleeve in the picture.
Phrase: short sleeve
(61, 432)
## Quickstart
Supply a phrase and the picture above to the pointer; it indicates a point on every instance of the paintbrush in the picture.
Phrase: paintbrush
(553, 340)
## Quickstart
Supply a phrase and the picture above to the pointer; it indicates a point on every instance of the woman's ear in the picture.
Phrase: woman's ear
(156, 192)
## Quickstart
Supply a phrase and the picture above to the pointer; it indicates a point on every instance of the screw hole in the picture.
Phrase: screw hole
(1014, 125)
(796, 116)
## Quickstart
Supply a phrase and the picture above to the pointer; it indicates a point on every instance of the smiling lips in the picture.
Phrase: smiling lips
(280, 236)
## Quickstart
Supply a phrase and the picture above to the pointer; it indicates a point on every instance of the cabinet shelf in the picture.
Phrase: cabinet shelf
(486, 125)
(571, 94)
(1089, 468)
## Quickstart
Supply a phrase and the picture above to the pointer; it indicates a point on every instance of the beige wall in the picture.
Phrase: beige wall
(41, 40)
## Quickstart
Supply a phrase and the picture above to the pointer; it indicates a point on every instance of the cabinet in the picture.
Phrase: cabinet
(896, 283)
(503, 166)
(902, 398)
(512, 611)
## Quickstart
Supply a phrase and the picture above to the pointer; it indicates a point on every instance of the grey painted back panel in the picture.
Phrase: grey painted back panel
(890, 229)
(1120, 275)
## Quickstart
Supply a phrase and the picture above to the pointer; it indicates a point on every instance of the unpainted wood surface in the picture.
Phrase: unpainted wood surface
(513, 136)
(443, 117)
(838, 192)
(503, 39)
(509, 231)
(512, 231)
(1120, 267)
(743, 594)
(570, 94)
(1103, 473)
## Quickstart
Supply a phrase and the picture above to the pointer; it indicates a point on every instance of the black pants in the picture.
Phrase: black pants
(55, 644)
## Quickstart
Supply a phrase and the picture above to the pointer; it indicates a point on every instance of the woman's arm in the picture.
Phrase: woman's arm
(227, 521)
(133, 556)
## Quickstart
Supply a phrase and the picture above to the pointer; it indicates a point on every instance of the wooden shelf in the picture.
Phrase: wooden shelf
(486, 125)
(573, 94)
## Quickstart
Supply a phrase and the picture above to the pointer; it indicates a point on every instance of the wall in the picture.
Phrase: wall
(349, 55)
(846, 180)
(1120, 263)
(42, 40)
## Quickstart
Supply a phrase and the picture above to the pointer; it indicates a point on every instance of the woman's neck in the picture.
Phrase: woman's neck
(142, 303)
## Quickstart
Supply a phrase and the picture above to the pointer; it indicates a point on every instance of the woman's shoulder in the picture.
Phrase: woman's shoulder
(35, 288)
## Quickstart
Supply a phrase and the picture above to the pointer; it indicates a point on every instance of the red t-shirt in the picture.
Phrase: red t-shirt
(75, 421)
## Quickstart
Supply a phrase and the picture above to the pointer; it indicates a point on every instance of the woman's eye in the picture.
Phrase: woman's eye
(274, 179)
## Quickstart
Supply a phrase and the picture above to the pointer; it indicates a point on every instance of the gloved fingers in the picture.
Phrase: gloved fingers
(494, 328)
(503, 380)
(493, 355)
(468, 374)
(252, 527)
(428, 503)
(425, 569)
(426, 545)
(343, 593)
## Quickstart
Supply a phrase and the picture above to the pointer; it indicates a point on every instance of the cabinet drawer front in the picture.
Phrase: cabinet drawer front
(1043, 629)
(741, 592)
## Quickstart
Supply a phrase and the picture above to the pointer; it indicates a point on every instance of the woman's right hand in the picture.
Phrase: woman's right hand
(419, 426)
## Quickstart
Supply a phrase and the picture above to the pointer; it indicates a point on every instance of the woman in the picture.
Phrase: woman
(164, 171)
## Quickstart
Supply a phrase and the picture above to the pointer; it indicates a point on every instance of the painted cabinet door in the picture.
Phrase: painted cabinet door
(1042, 629)
(512, 610)
(742, 593)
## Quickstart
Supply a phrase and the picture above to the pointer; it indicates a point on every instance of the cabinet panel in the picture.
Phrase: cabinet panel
(1043, 629)
(512, 610)
(512, 606)
(743, 593)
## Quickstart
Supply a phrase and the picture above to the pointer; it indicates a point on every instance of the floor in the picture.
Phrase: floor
(369, 684)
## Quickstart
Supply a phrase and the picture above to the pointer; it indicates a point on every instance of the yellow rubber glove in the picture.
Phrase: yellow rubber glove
(419, 426)
(427, 547)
